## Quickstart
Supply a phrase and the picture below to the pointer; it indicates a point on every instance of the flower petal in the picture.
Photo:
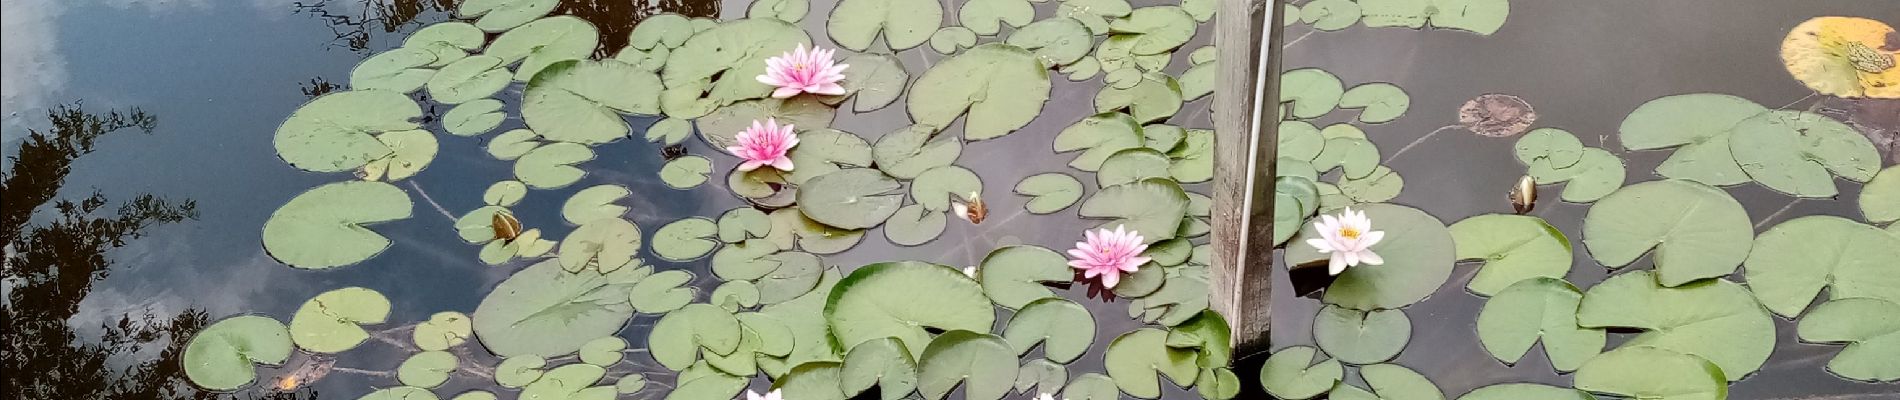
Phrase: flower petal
(1321, 244)
(1370, 258)
(1336, 265)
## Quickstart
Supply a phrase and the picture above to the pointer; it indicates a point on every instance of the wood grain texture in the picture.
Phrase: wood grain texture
(1243, 147)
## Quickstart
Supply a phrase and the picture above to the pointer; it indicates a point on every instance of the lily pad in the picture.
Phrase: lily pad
(520, 370)
(721, 127)
(552, 166)
(883, 363)
(1533, 309)
(1360, 337)
(399, 70)
(720, 66)
(1701, 124)
(324, 227)
(1152, 207)
(1313, 92)
(604, 351)
(783, 10)
(734, 295)
(876, 301)
(1330, 15)
(987, 17)
(1102, 135)
(1014, 275)
(450, 41)
(572, 381)
(908, 152)
(676, 340)
(914, 225)
(1792, 261)
(1057, 41)
(876, 80)
(823, 151)
(816, 380)
(1002, 86)
(670, 131)
(1652, 373)
(595, 203)
(329, 322)
(581, 101)
(222, 356)
(686, 172)
(1292, 374)
(742, 223)
(1418, 259)
(855, 198)
(797, 273)
(1049, 192)
(1044, 375)
(426, 369)
(1091, 386)
(1383, 102)
(1880, 198)
(790, 226)
(662, 292)
(400, 393)
(1555, 148)
(1155, 98)
(685, 239)
(468, 79)
(513, 144)
(1389, 382)
(1522, 391)
(950, 39)
(412, 151)
(501, 15)
(1698, 231)
(1512, 248)
(1872, 329)
(983, 362)
(335, 132)
(468, 119)
(1064, 328)
(661, 31)
(1155, 30)
(1713, 319)
(1138, 358)
(605, 244)
(937, 188)
(1794, 152)
(443, 330)
(546, 311)
(1194, 158)
(544, 42)
(854, 24)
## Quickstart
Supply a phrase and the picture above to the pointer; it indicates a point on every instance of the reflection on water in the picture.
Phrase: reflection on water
(357, 23)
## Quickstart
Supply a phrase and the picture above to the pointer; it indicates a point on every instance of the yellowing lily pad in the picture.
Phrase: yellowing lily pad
(1840, 56)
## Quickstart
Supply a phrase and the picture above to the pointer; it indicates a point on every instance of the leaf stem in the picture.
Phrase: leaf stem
(1415, 142)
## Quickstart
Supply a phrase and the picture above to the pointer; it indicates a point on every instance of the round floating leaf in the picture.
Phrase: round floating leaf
(1013, 276)
(797, 274)
(876, 80)
(605, 244)
(335, 132)
(1700, 123)
(595, 203)
(570, 381)
(720, 66)
(544, 42)
(1044, 375)
(1330, 15)
(1049, 192)
(1081, 70)
(823, 151)
(783, 10)
(329, 322)
(1208, 332)
(1838, 56)
(721, 127)
(581, 101)
(220, 357)
(877, 301)
(907, 153)
(661, 30)
(1218, 383)
(813, 380)
(670, 131)
(399, 70)
(936, 188)
(789, 224)
(850, 199)
(426, 369)
(1152, 207)
(883, 363)
(984, 362)
(1300, 140)
(1482, 17)
(552, 166)
(1526, 391)
(1359, 337)
(1194, 158)
(904, 24)
(473, 118)
(1155, 98)
(1391, 382)
(1291, 373)
(412, 151)
(1155, 30)
(1553, 147)
(443, 330)
(469, 79)
(1418, 259)
(744, 260)
(604, 351)
(1312, 91)
(686, 172)
(324, 227)
(1713, 319)
(1791, 262)
(743, 223)
(677, 338)
(952, 38)
(630, 383)
(501, 15)
(986, 17)
(1161, 137)
(914, 225)
(1002, 86)
(1880, 198)
(1652, 373)
(1067, 328)
(1698, 231)
(662, 292)
(400, 393)
(1794, 151)
(518, 371)
(546, 311)
(1091, 386)
(1383, 102)
(513, 144)
(734, 295)
(475, 395)
(685, 239)
(1512, 248)
(1536, 308)
(1357, 158)
(1383, 184)
(1057, 41)
(449, 41)
(1871, 326)
(1102, 135)
(711, 385)
(1135, 359)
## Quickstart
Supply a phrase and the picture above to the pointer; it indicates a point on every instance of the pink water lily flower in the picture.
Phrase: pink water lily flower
(801, 71)
(763, 144)
(773, 395)
(1348, 238)
(1108, 254)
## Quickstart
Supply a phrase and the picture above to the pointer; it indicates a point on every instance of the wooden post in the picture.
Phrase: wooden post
(1245, 110)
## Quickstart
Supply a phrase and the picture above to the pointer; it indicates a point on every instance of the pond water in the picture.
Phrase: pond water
(218, 78)
(1584, 67)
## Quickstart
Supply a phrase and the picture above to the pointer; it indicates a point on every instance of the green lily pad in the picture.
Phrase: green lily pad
(1064, 328)
(1081, 70)
(1330, 15)
(470, 119)
(1597, 173)
(984, 362)
(1383, 102)
(1872, 329)
(426, 369)
(1418, 259)
(552, 166)
(791, 226)
(1209, 333)
(783, 10)
(630, 383)
(544, 42)
(1713, 319)
(443, 330)
(399, 70)
(1194, 158)
(742, 223)
(875, 302)
(824, 151)
(546, 311)
(1218, 383)
(1155, 98)
(1057, 41)
(1526, 391)
(1171, 252)
(686, 172)
(810, 332)
(876, 80)
(712, 385)
(661, 31)
(1161, 137)
(572, 381)
(1135, 359)
(1313, 92)
(676, 340)
(1044, 375)
(400, 393)
(720, 66)
(1794, 152)
(685, 239)
(475, 395)
(914, 225)
(1291, 373)
(908, 152)
(797, 274)
(883, 363)
(855, 198)
(721, 127)
(1091, 386)
(744, 260)
(605, 244)
(734, 295)
(1698, 231)
(1300, 140)
(1382, 185)
(604, 351)
(595, 203)
(936, 188)
(520, 370)
(581, 101)
(813, 380)
(1356, 158)
(1155, 30)
(1552, 147)
(1295, 200)
(987, 17)
(1389, 382)
(1152, 207)
(1342, 130)
(329, 322)
(1519, 315)
(1002, 86)
(513, 144)
(1102, 135)
(1359, 337)
(1482, 17)
(670, 131)
(501, 15)
(854, 24)
(1700, 123)
(469, 79)
(324, 227)
(1049, 192)
(1512, 248)
(662, 292)
(1652, 373)
(449, 41)
(950, 39)
(1880, 198)
(1792, 261)
(335, 132)
(221, 356)
(1014, 275)
(412, 151)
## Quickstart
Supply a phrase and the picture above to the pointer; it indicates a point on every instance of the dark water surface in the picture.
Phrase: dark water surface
(1583, 65)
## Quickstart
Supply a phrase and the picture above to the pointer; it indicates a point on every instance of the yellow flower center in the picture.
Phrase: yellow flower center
(1349, 233)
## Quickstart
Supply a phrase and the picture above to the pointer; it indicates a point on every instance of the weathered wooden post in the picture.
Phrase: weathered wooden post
(1246, 114)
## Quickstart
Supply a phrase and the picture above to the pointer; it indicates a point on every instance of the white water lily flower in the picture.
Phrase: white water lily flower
(971, 271)
(773, 395)
(1348, 238)
(1045, 396)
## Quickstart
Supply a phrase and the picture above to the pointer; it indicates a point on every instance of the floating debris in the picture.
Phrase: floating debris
(1497, 115)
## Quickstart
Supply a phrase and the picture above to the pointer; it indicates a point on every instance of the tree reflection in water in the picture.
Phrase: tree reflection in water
(52, 265)
(356, 23)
